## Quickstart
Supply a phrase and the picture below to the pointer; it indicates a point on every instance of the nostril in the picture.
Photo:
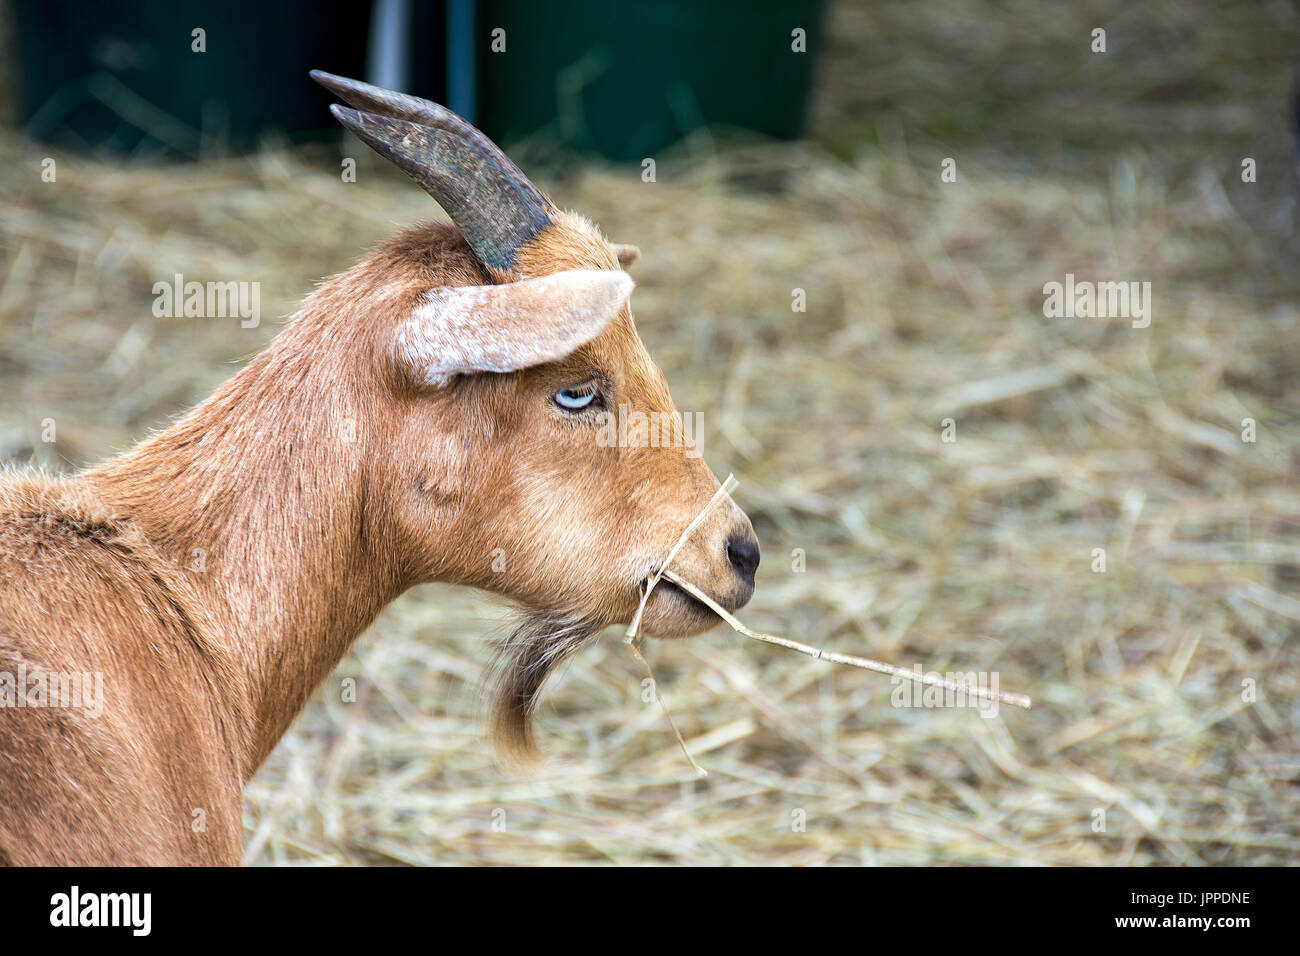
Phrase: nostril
(742, 552)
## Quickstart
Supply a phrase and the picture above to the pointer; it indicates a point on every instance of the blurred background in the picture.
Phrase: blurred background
(797, 146)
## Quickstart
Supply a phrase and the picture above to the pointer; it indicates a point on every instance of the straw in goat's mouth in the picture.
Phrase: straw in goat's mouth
(634, 629)
(666, 573)
(866, 663)
(668, 581)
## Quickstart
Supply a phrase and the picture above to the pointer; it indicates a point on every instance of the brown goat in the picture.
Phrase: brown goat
(429, 415)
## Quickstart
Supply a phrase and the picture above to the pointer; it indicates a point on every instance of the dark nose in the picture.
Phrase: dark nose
(742, 552)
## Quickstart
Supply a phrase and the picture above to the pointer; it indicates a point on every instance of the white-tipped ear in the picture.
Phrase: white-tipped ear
(503, 328)
(627, 254)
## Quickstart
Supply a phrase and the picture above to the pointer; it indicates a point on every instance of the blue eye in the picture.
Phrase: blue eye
(576, 399)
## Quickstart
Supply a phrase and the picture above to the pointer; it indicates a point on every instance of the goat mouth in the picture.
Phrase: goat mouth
(690, 600)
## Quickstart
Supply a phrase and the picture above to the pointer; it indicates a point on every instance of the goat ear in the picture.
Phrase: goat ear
(502, 328)
(627, 254)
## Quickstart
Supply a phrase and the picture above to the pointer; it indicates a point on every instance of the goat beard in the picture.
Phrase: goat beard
(540, 642)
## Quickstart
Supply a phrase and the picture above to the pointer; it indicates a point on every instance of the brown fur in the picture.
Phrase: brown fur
(320, 483)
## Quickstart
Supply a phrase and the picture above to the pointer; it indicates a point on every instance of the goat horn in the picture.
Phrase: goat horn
(489, 199)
